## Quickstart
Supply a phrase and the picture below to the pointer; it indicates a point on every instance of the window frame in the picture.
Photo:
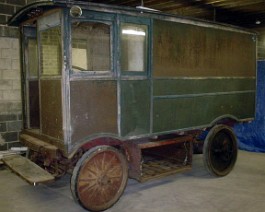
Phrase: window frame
(94, 17)
(40, 53)
(50, 20)
(143, 21)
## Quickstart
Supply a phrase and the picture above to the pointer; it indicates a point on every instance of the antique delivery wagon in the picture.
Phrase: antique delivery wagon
(113, 92)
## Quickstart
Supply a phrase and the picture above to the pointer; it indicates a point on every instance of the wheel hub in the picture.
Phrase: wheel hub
(103, 180)
(220, 150)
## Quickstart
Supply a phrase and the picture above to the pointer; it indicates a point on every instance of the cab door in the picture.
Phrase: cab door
(134, 76)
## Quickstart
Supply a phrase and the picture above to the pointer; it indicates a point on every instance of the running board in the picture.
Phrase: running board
(27, 170)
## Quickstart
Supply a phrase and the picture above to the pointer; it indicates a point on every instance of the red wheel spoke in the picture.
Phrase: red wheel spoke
(103, 162)
(109, 163)
(96, 166)
(87, 179)
(85, 187)
(88, 172)
(114, 176)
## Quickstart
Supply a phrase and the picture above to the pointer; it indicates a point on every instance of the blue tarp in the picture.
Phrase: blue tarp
(251, 136)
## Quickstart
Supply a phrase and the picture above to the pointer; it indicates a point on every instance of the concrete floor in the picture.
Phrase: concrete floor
(242, 190)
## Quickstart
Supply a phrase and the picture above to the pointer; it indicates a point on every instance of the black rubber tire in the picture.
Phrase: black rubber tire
(220, 150)
(95, 184)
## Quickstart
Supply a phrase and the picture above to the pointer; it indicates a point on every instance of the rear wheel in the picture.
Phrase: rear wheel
(220, 150)
(99, 178)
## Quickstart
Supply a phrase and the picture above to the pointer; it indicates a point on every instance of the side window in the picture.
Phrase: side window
(134, 39)
(50, 51)
(91, 47)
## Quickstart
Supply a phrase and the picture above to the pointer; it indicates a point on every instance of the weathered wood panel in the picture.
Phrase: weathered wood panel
(93, 108)
(28, 170)
(182, 50)
(51, 108)
(34, 106)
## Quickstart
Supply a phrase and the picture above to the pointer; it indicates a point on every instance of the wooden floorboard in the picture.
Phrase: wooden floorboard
(28, 170)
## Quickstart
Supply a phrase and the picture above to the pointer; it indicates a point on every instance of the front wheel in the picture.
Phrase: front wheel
(220, 150)
(99, 178)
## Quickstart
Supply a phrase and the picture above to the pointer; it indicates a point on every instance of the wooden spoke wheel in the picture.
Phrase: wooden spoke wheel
(99, 178)
(220, 150)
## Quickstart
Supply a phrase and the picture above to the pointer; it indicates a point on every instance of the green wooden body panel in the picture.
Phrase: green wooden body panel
(184, 50)
(200, 74)
(199, 86)
(186, 112)
(135, 107)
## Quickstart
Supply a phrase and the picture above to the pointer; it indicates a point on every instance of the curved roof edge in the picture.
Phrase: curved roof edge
(23, 14)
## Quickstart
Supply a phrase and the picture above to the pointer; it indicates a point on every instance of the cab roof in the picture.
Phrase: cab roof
(38, 7)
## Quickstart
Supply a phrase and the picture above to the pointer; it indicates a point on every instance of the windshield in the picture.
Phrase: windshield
(91, 47)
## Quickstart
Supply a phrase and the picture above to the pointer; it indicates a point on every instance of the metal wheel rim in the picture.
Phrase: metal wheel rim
(222, 151)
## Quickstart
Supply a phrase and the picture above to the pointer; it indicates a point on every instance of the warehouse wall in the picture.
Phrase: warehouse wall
(10, 86)
(10, 91)
(10, 95)
(9, 7)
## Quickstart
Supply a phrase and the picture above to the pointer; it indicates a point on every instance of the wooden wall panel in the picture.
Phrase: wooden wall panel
(182, 50)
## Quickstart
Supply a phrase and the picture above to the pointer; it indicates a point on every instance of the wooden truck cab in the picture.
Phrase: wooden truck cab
(112, 92)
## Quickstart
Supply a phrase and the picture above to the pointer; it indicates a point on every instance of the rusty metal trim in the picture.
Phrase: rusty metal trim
(90, 139)
(164, 143)
(202, 94)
